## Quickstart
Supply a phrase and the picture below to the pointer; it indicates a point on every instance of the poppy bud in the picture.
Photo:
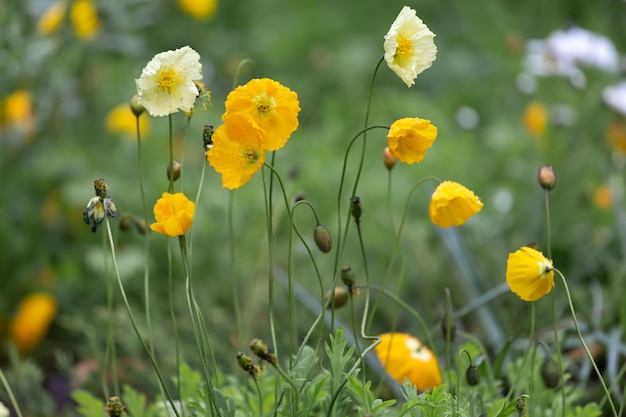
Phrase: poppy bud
(340, 297)
(135, 107)
(259, 348)
(357, 210)
(347, 276)
(140, 226)
(125, 223)
(176, 170)
(114, 407)
(472, 375)
(550, 373)
(547, 177)
(299, 196)
(245, 363)
(448, 327)
(322, 237)
(520, 405)
(388, 159)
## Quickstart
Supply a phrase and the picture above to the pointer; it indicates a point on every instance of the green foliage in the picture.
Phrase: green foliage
(87, 404)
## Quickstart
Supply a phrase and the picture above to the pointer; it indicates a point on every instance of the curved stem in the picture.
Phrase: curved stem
(9, 391)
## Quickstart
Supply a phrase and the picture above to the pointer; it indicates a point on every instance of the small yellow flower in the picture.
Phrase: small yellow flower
(269, 104)
(51, 20)
(603, 197)
(409, 46)
(122, 120)
(616, 135)
(17, 112)
(32, 320)
(452, 204)
(529, 274)
(409, 138)
(198, 9)
(84, 19)
(173, 214)
(535, 118)
(238, 150)
(167, 82)
(404, 356)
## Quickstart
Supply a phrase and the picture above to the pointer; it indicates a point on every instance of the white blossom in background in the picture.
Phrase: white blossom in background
(4, 412)
(615, 97)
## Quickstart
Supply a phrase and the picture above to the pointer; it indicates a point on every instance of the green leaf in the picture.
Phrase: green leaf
(134, 401)
(87, 404)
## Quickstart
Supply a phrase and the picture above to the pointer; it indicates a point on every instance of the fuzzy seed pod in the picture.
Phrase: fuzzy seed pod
(114, 407)
(322, 237)
(472, 375)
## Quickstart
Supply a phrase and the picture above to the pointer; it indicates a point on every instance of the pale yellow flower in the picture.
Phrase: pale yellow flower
(167, 82)
(198, 9)
(52, 18)
(84, 19)
(409, 46)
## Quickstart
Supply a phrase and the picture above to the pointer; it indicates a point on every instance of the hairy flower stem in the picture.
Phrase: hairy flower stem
(9, 391)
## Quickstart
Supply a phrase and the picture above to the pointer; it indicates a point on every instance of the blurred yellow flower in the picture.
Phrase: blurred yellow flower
(167, 83)
(452, 204)
(198, 9)
(121, 119)
(404, 356)
(529, 274)
(535, 118)
(603, 197)
(84, 19)
(31, 322)
(409, 138)
(173, 214)
(238, 150)
(52, 18)
(409, 46)
(616, 134)
(269, 104)
(17, 112)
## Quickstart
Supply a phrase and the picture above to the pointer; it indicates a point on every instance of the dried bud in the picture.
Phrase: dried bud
(245, 363)
(472, 375)
(520, 405)
(357, 210)
(125, 222)
(550, 373)
(388, 159)
(100, 187)
(114, 407)
(135, 107)
(546, 177)
(259, 348)
(322, 237)
(176, 170)
(347, 276)
(207, 137)
(448, 327)
(340, 297)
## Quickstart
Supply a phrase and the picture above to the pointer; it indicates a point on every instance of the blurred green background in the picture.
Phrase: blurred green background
(326, 51)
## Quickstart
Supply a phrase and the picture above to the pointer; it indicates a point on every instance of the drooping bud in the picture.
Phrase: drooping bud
(550, 373)
(322, 237)
(299, 196)
(176, 172)
(357, 210)
(388, 159)
(114, 407)
(259, 348)
(245, 363)
(207, 137)
(340, 297)
(135, 107)
(472, 375)
(546, 177)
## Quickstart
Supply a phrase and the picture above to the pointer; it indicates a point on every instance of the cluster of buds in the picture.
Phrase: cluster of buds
(245, 363)
(99, 206)
(114, 407)
(259, 348)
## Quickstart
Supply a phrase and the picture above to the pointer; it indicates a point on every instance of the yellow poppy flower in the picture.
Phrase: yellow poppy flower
(237, 151)
(409, 138)
(52, 18)
(269, 104)
(409, 46)
(603, 197)
(198, 9)
(84, 19)
(173, 214)
(404, 356)
(32, 320)
(529, 274)
(535, 118)
(452, 204)
(16, 112)
(122, 120)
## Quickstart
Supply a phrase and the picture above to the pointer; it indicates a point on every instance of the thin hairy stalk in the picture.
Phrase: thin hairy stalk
(170, 188)
(170, 298)
(109, 353)
(9, 391)
(133, 322)
(233, 273)
(182, 154)
(260, 394)
(585, 347)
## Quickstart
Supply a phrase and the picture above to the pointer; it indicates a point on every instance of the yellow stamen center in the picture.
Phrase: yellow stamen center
(251, 155)
(404, 49)
(263, 106)
(168, 79)
(545, 268)
(417, 351)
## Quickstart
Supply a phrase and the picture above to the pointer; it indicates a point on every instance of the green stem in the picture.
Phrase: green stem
(170, 188)
(9, 391)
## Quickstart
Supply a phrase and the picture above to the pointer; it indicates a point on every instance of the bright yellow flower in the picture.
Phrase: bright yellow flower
(198, 9)
(616, 134)
(167, 82)
(272, 106)
(603, 197)
(409, 46)
(452, 204)
(32, 320)
(535, 118)
(409, 138)
(238, 150)
(52, 18)
(173, 214)
(122, 120)
(529, 274)
(84, 19)
(17, 112)
(404, 356)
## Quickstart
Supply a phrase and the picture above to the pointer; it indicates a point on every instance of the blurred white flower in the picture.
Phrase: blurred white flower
(615, 97)
(4, 412)
(167, 83)
(563, 52)
(409, 46)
